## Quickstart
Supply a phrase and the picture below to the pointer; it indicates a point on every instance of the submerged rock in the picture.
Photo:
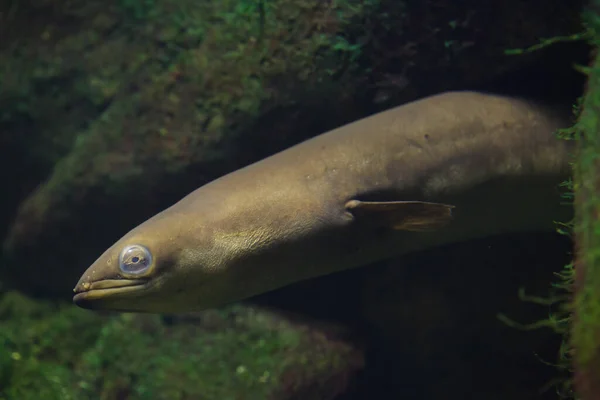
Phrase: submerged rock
(57, 352)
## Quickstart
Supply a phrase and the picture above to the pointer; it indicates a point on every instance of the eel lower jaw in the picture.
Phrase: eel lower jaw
(89, 295)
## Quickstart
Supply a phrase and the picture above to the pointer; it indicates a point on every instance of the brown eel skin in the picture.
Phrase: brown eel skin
(446, 168)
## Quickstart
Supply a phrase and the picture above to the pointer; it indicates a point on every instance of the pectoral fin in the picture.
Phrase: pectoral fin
(402, 215)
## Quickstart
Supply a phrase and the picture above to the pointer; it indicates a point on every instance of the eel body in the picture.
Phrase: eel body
(446, 168)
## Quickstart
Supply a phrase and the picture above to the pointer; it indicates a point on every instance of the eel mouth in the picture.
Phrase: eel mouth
(86, 293)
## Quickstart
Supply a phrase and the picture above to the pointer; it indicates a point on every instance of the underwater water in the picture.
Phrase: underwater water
(110, 113)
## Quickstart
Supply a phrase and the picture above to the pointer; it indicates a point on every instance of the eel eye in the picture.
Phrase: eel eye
(135, 259)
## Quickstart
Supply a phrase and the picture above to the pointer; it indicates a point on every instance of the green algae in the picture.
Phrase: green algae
(105, 49)
(57, 351)
(206, 68)
(560, 301)
(585, 330)
(106, 55)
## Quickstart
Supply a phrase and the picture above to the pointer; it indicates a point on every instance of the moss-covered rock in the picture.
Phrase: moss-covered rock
(55, 351)
(585, 332)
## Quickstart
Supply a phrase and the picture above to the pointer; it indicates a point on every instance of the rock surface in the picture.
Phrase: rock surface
(58, 352)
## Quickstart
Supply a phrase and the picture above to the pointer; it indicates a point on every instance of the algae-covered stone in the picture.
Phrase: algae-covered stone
(585, 330)
(55, 351)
